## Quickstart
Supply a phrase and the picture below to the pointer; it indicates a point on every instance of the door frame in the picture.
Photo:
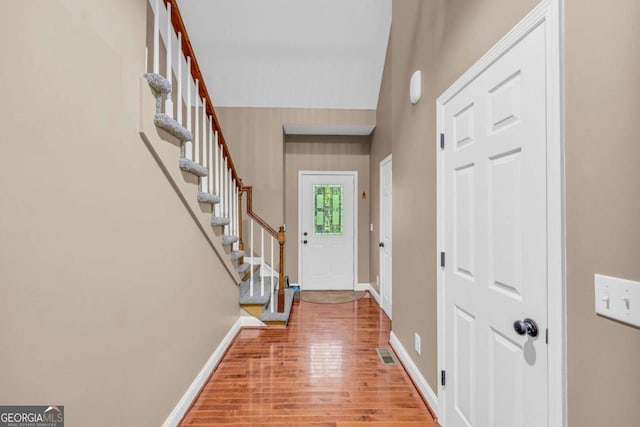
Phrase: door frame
(388, 159)
(550, 13)
(353, 174)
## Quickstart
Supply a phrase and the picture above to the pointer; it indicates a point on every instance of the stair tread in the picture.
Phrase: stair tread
(268, 316)
(244, 291)
(208, 198)
(172, 127)
(243, 267)
(219, 220)
(192, 167)
(228, 239)
(236, 255)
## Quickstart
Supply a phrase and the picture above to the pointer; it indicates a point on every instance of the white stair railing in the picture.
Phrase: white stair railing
(189, 105)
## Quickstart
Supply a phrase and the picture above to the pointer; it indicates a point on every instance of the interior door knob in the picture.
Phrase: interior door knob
(381, 244)
(304, 241)
(526, 326)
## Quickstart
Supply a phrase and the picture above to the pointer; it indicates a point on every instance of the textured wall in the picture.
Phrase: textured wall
(256, 139)
(602, 105)
(381, 146)
(111, 299)
(443, 39)
(603, 182)
(327, 153)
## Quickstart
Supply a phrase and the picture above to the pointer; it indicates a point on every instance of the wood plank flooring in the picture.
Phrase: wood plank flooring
(321, 371)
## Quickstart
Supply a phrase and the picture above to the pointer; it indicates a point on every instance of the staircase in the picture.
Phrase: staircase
(185, 117)
(256, 299)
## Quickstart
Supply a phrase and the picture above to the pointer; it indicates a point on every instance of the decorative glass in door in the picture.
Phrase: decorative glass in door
(328, 209)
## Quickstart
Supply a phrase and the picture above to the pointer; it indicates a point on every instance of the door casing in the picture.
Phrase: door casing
(549, 13)
(387, 161)
(354, 174)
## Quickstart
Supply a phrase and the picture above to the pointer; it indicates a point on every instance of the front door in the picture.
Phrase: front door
(494, 174)
(327, 230)
(385, 235)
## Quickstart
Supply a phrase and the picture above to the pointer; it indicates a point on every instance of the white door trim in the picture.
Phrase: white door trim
(550, 13)
(385, 161)
(354, 174)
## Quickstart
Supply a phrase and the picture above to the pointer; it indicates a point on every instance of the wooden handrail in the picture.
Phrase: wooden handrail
(196, 73)
(256, 217)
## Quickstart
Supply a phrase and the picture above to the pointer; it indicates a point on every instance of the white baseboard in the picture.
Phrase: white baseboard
(185, 402)
(368, 287)
(423, 386)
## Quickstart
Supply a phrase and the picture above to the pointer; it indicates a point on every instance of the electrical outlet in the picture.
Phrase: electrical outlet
(378, 281)
(417, 343)
(371, 227)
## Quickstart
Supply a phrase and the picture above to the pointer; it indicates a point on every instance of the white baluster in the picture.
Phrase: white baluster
(229, 214)
(232, 212)
(262, 258)
(251, 259)
(168, 103)
(203, 122)
(156, 36)
(224, 193)
(196, 128)
(189, 144)
(236, 214)
(210, 157)
(205, 151)
(272, 277)
(218, 175)
(179, 82)
(204, 181)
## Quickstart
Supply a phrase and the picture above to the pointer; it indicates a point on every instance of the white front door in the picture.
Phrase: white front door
(494, 177)
(327, 230)
(385, 235)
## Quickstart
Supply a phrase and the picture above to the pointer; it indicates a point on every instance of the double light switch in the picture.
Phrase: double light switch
(618, 299)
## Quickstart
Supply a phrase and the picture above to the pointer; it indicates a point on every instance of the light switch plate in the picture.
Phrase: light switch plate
(618, 299)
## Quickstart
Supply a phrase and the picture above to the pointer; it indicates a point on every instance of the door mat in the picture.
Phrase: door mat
(331, 297)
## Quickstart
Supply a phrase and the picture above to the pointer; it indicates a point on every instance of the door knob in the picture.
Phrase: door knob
(305, 233)
(381, 244)
(304, 241)
(526, 326)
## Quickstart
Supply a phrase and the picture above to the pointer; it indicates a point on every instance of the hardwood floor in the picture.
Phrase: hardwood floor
(321, 371)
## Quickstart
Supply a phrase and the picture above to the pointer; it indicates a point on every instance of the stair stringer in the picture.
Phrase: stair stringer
(165, 149)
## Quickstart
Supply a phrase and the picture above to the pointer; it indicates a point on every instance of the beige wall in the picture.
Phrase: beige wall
(381, 145)
(443, 39)
(256, 140)
(111, 299)
(326, 153)
(603, 208)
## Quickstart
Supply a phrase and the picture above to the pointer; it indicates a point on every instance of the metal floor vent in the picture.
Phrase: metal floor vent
(386, 356)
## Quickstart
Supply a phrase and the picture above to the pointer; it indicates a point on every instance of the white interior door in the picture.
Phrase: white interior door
(385, 235)
(494, 177)
(327, 230)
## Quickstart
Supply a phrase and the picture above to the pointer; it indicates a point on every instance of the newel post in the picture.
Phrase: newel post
(281, 270)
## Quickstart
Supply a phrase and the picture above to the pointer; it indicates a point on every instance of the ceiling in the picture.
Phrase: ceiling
(290, 53)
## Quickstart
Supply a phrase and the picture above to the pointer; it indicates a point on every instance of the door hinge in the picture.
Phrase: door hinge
(442, 259)
(443, 378)
(442, 141)
(546, 336)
